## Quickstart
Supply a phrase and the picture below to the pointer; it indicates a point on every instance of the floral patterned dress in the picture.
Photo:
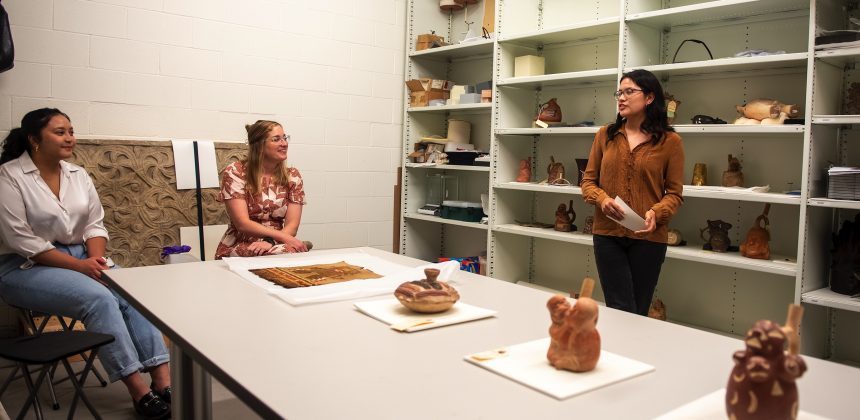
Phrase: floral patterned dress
(268, 208)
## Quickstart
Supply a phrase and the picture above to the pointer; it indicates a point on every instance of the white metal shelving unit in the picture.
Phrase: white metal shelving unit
(587, 45)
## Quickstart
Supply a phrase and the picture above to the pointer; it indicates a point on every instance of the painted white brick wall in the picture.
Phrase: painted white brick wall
(329, 70)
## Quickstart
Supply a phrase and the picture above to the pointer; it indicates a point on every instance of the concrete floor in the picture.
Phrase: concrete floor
(112, 402)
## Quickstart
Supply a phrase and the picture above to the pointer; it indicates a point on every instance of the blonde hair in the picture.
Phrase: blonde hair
(258, 135)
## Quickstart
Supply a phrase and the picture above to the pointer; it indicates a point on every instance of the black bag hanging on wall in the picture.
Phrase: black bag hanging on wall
(845, 258)
(7, 49)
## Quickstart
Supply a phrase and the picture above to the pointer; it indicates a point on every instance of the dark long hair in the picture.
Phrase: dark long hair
(656, 122)
(17, 142)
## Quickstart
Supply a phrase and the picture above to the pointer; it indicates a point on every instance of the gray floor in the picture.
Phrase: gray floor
(112, 402)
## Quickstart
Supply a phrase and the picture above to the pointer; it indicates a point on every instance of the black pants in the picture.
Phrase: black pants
(628, 270)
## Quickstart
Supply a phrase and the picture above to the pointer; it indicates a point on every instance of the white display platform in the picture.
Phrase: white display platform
(713, 407)
(398, 317)
(527, 364)
(393, 275)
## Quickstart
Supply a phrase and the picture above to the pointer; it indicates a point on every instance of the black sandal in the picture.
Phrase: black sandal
(164, 393)
(151, 406)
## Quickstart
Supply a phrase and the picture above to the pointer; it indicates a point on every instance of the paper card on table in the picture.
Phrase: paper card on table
(713, 407)
(526, 363)
(631, 220)
(390, 311)
(183, 158)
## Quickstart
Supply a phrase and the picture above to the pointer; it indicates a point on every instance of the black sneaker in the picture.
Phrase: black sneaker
(151, 406)
(164, 393)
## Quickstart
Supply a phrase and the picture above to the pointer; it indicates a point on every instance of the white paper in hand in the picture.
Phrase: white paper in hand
(631, 220)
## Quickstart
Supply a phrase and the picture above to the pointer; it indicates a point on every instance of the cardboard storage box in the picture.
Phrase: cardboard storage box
(422, 91)
(528, 65)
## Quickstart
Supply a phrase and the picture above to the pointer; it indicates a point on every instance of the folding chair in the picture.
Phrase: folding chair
(28, 319)
(49, 349)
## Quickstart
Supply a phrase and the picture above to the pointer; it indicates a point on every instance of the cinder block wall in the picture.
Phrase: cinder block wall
(331, 71)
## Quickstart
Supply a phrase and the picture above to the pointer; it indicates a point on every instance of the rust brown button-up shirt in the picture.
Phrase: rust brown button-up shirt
(648, 177)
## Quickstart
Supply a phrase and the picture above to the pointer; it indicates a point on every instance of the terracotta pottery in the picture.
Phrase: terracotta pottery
(762, 383)
(564, 217)
(574, 339)
(555, 171)
(756, 245)
(525, 174)
(733, 177)
(550, 112)
(718, 236)
(589, 225)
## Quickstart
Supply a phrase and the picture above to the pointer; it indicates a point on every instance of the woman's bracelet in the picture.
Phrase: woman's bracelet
(270, 240)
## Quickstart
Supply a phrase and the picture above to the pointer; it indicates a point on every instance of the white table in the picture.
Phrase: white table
(329, 361)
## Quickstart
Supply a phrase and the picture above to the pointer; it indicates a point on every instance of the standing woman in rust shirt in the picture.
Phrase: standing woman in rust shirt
(639, 158)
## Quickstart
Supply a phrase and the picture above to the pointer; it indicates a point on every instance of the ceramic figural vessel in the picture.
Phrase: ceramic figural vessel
(757, 244)
(762, 384)
(564, 217)
(718, 236)
(574, 340)
(733, 177)
(525, 174)
(555, 172)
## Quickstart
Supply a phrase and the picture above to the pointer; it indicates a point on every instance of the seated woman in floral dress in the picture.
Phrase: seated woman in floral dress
(263, 196)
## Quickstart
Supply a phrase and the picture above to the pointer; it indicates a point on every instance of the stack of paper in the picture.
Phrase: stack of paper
(843, 182)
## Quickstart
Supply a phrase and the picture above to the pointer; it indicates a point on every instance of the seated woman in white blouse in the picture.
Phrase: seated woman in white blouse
(52, 254)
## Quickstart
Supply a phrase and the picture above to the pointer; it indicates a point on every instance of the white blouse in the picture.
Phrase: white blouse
(32, 217)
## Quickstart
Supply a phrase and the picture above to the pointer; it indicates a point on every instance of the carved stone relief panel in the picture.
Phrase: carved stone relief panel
(136, 182)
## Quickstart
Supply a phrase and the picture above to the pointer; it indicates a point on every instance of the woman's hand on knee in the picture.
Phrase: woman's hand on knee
(92, 267)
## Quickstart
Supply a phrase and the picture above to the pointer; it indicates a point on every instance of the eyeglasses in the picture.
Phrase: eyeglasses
(278, 139)
(626, 92)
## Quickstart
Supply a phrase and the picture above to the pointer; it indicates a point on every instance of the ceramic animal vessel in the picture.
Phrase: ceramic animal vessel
(759, 109)
(574, 339)
(762, 383)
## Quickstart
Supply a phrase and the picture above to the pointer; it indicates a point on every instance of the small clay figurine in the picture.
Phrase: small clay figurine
(671, 107)
(549, 112)
(762, 383)
(718, 236)
(674, 238)
(733, 177)
(574, 339)
(657, 310)
(756, 244)
(525, 174)
(700, 175)
(564, 217)
(589, 225)
(555, 172)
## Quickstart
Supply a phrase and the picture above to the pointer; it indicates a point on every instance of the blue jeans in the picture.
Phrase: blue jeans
(138, 345)
(628, 269)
